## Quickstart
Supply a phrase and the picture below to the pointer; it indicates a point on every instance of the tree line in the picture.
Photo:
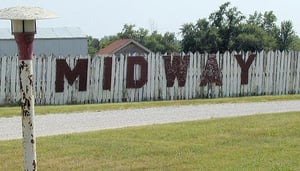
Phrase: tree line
(226, 29)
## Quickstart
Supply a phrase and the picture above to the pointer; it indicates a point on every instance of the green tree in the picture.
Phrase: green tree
(156, 42)
(216, 34)
(269, 21)
(296, 43)
(129, 32)
(256, 19)
(285, 35)
(188, 42)
(170, 43)
(228, 29)
(106, 40)
(201, 37)
(227, 21)
(93, 45)
(253, 38)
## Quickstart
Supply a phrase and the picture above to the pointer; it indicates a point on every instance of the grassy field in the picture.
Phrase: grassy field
(8, 111)
(260, 142)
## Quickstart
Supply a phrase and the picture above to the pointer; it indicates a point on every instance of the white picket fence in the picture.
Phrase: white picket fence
(271, 73)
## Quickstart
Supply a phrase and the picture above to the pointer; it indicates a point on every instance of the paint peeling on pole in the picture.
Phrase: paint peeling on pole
(27, 110)
(25, 46)
(23, 22)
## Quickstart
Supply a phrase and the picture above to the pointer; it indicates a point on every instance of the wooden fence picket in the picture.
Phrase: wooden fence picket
(297, 88)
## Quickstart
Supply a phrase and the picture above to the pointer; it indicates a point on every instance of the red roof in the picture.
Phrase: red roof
(117, 45)
(113, 46)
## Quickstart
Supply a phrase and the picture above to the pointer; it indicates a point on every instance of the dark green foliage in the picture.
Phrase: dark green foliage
(93, 45)
(284, 35)
(253, 38)
(228, 29)
(164, 43)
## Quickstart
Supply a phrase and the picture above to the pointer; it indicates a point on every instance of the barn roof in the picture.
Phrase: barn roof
(118, 45)
(49, 33)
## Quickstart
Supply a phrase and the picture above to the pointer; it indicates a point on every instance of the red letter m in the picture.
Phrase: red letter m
(63, 69)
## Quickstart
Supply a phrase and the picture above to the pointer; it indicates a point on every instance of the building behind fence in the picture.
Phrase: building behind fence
(60, 41)
(270, 73)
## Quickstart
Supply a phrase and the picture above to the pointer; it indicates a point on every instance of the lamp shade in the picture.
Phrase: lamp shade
(23, 19)
(26, 13)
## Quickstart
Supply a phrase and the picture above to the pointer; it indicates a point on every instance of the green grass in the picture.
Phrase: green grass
(259, 142)
(9, 111)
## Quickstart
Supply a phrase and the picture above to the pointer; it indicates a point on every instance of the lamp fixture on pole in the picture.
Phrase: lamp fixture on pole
(23, 27)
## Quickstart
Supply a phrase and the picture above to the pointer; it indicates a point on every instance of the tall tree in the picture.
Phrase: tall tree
(285, 35)
(170, 43)
(227, 29)
(256, 19)
(156, 42)
(269, 21)
(253, 38)
(227, 21)
(188, 42)
(216, 34)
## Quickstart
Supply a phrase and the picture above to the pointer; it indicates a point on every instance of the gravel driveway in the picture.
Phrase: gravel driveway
(55, 124)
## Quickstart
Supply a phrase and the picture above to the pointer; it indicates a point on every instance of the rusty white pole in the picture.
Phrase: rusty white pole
(24, 42)
(23, 23)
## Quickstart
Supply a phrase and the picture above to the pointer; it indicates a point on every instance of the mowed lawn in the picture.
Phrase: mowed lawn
(259, 142)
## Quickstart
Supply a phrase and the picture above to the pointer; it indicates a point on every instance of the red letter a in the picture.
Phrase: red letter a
(211, 73)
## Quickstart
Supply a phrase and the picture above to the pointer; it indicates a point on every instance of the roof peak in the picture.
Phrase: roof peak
(119, 44)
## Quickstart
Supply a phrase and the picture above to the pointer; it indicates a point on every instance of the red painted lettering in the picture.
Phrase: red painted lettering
(63, 70)
(141, 77)
(245, 66)
(211, 73)
(178, 69)
(107, 73)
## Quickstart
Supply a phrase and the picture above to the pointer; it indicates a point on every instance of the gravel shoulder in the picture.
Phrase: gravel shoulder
(56, 124)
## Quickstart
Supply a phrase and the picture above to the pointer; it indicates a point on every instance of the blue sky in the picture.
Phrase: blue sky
(100, 18)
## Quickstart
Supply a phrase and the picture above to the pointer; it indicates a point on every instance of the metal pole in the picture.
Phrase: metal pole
(25, 45)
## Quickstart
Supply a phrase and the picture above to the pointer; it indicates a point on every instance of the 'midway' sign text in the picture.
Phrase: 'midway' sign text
(175, 67)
